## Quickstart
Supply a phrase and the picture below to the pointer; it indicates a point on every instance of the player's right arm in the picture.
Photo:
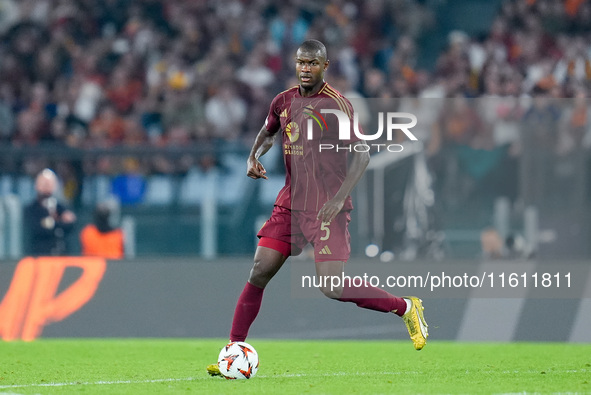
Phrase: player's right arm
(264, 140)
(262, 143)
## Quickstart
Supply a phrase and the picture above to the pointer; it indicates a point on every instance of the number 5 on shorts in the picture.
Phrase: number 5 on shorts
(324, 227)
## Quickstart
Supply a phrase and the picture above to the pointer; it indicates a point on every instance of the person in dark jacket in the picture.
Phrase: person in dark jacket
(48, 222)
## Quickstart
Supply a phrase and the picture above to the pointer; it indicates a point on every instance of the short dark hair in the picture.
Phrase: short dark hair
(314, 46)
(102, 217)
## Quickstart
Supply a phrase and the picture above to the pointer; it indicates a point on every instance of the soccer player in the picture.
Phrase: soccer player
(314, 205)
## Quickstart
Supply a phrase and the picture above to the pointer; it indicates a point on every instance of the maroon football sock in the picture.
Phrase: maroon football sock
(373, 298)
(247, 308)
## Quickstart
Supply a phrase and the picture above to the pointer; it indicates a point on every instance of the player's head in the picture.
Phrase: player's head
(311, 64)
(314, 47)
(46, 183)
(102, 217)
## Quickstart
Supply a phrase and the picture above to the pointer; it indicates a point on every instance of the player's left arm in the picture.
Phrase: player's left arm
(359, 162)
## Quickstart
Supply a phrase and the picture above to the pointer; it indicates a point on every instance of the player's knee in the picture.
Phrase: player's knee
(260, 274)
(332, 292)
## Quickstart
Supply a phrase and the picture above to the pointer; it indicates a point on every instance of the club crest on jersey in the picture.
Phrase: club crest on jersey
(293, 131)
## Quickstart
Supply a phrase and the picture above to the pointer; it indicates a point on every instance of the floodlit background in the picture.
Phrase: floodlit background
(152, 106)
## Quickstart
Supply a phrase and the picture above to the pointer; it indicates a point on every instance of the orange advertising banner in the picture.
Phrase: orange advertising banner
(33, 301)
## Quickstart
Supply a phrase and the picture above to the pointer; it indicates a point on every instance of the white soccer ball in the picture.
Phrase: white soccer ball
(238, 360)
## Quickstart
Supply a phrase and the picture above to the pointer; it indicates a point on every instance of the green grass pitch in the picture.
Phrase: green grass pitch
(165, 366)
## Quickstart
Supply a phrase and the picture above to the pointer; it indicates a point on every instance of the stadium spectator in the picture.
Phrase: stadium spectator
(156, 62)
(226, 112)
(130, 185)
(289, 28)
(108, 128)
(254, 73)
(101, 238)
(115, 49)
(47, 221)
(7, 121)
(123, 90)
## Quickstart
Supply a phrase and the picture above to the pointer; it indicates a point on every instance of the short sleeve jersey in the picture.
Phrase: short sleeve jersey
(314, 153)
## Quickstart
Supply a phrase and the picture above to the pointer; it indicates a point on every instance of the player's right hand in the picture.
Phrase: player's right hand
(255, 169)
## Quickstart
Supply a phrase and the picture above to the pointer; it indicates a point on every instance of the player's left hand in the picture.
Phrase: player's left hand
(330, 209)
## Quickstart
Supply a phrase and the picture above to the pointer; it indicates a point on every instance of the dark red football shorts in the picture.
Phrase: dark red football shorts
(331, 241)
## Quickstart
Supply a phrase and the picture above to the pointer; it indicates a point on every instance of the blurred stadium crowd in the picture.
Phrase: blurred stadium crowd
(100, 74)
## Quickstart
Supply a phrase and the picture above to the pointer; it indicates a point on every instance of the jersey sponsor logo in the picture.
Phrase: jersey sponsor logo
(292, 149)
(325, 251)
(292, 130)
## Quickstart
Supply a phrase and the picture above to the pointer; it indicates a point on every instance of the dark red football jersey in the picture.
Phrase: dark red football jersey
(314, 156)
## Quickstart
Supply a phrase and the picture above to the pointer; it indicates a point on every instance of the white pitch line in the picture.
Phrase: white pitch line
(290, 375)
(72, 383)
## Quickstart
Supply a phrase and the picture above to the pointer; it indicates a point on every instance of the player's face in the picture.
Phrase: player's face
(310, 68)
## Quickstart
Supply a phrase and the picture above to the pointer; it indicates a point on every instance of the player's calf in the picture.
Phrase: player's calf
(332, 292)
(330, 278)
